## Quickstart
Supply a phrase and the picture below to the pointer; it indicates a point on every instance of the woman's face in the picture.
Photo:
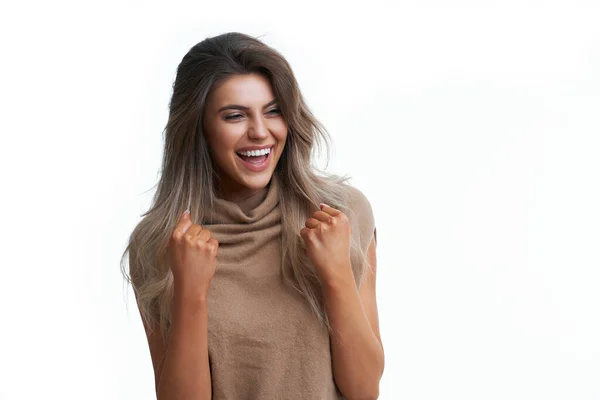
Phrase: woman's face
(240, 112)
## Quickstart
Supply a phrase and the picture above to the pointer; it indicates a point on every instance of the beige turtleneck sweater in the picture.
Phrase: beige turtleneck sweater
(264, 341)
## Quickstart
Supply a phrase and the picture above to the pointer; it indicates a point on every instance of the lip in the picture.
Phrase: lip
(250, 148)
(254, 167)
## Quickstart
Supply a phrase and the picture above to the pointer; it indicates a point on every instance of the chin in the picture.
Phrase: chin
(259, 181)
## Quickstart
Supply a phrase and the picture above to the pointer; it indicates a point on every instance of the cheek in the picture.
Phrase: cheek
(279, 130)
(220, 151)
(226, 137)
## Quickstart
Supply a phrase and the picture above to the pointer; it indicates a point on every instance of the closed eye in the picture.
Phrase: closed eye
(232, 117)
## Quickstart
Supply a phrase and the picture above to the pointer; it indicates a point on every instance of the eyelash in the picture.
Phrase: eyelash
(235, 116)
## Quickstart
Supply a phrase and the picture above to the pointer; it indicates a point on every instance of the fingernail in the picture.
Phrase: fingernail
(323, 204)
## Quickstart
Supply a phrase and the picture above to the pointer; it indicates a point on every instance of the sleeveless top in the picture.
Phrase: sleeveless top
(264, 341)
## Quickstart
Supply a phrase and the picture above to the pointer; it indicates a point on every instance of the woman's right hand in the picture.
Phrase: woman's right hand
(193, 256)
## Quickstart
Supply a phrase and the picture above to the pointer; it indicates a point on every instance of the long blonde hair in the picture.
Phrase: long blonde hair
(187, 176)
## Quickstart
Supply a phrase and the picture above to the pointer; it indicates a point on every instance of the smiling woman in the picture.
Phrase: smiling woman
(242, 115)
(265, 287)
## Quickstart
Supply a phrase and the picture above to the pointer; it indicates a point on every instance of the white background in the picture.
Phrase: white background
(472, 127)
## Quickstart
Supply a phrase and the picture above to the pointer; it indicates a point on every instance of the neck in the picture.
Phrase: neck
(241, 195)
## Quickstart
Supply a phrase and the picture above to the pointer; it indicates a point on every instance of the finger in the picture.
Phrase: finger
(311, 223)
(328, 209)
(215, 243)
(193, 231)
(204, 235)
(183, 224)
(304, 233)
(322, 216)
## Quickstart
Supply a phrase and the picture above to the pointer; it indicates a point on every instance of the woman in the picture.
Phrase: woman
(257, 290)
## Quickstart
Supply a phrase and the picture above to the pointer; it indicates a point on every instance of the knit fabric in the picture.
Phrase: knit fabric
(264, 341)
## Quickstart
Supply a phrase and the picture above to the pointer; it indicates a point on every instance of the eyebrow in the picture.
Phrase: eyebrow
(244, 108)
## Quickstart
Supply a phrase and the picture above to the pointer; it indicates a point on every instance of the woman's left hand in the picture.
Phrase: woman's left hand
(327, 238)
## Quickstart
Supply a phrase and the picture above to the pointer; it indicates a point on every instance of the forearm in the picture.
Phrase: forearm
(357, 354)
(186, 372)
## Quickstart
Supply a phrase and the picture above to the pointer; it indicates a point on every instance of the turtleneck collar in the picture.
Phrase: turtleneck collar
(249, 210)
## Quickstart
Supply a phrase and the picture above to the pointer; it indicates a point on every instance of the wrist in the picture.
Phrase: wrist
(340, 279)
(189, 293)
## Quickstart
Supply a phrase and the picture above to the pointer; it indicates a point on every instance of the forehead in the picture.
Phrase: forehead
(247, 90)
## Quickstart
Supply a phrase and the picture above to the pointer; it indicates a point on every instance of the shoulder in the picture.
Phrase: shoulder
(362, 212)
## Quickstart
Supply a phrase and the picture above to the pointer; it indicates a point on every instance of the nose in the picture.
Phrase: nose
(258, 129)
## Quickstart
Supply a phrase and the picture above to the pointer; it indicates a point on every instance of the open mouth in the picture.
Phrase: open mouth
(255, 159)
(256, 163)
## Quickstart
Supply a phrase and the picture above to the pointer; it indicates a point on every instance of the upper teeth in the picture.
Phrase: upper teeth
(255, 152)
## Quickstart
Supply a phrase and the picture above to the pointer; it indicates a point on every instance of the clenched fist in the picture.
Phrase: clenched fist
(327, 237)
(193, 255)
